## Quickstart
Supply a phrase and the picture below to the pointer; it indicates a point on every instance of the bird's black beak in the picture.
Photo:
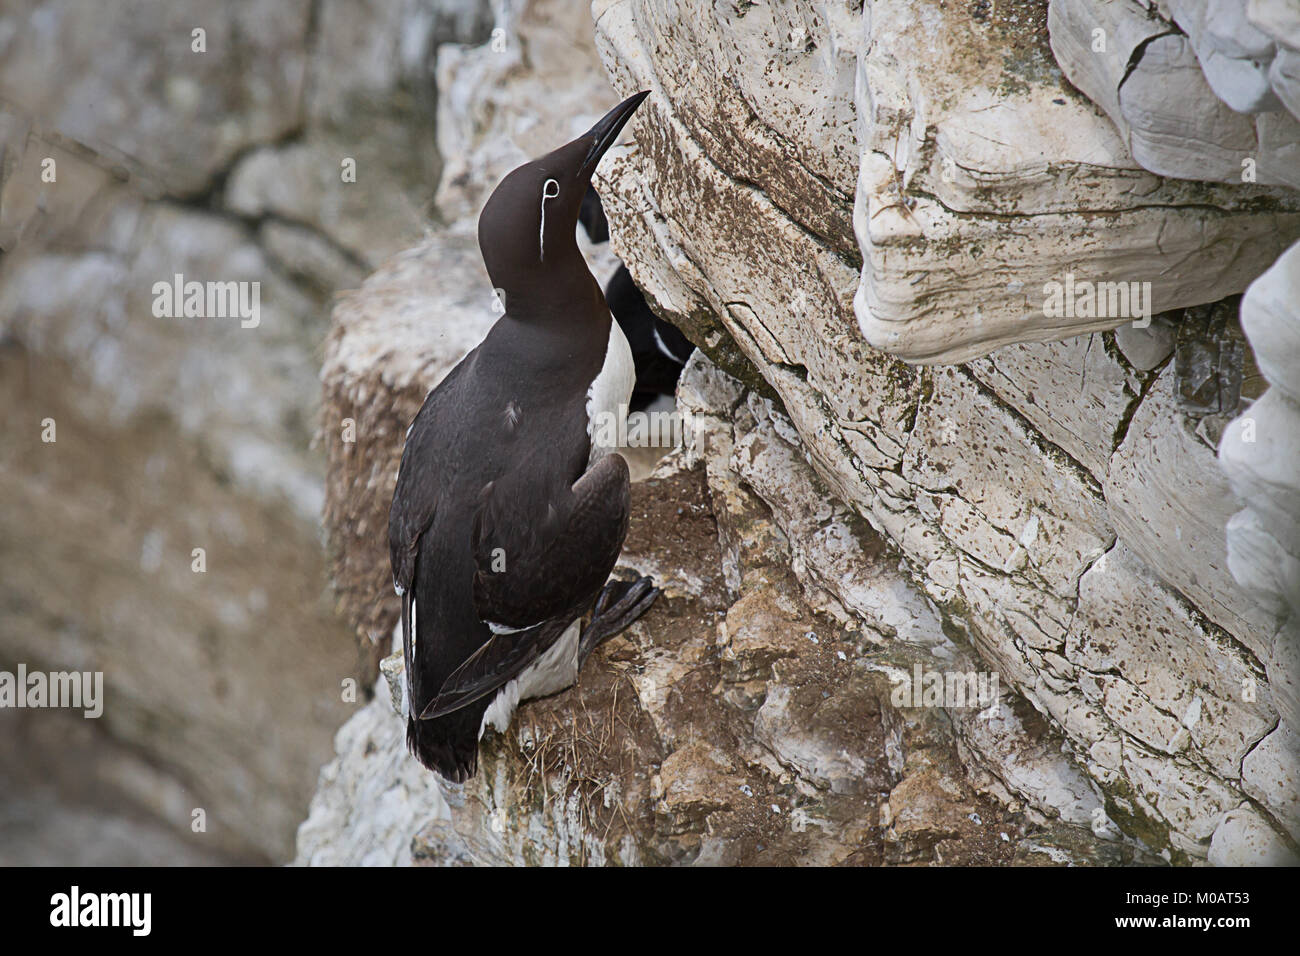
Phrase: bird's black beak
(604, 133)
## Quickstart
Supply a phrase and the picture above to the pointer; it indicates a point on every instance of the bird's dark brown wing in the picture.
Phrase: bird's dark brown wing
(415, 499)
(536, 574)
(415, 502)
(531, 568)
(493, 666)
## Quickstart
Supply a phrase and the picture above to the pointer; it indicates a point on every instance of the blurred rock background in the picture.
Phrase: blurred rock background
(133, 148)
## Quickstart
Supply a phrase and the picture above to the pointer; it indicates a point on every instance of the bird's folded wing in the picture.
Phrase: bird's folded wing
(421, 477)
(493, 666)
(535, 574)
(533, 567)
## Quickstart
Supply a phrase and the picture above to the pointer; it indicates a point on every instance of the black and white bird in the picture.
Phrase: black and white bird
(659, 349)
(508, 517)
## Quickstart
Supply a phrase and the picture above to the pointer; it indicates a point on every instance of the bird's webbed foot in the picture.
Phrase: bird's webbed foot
(619, 604)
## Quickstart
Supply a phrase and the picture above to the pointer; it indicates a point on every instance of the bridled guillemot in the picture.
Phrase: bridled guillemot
(508, 517)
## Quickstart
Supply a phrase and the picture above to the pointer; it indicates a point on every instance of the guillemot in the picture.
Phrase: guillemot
(508, 515)
(659, 350)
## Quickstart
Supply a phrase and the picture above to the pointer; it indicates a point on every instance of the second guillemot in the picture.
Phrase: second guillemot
(659, 350)
(508, 517)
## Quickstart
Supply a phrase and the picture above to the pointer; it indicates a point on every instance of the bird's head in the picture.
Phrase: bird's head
(526, 230)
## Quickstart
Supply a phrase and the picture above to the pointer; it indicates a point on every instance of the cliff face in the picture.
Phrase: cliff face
(915, 459)
(1060, 501)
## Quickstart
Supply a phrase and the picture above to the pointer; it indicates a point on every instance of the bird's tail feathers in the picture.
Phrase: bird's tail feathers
(444, 751)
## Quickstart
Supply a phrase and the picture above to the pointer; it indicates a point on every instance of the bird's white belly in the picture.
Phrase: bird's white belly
(609, 394)
(552, 672)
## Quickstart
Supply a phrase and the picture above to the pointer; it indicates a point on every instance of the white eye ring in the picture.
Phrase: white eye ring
(541, 233)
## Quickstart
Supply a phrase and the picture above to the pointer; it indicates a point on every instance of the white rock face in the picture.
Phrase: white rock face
(1203, 89)
(1170, 503)
(826, 542)
(983, 178)
(1055, 498)
(373, 792)
(1245, 839)
(1199, 89)
(1260, 452)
